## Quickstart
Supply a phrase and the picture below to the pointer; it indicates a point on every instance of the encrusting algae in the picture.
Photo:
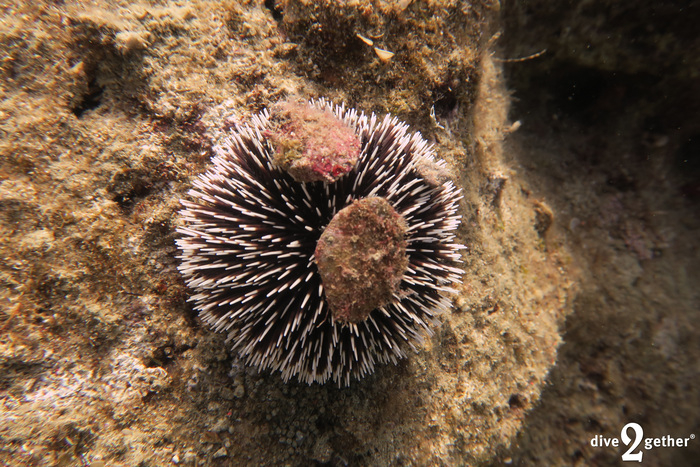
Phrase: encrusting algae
(361, 257)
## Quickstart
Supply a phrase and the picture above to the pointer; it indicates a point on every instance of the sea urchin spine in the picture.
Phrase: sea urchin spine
(251, 233)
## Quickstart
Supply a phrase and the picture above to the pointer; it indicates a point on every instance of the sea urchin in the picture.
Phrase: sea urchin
(252, 239)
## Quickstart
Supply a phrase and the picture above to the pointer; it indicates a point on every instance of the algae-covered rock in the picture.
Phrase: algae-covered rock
(310, 143)
(361, 256)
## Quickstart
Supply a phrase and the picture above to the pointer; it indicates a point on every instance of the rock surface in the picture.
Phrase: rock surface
(108, 111)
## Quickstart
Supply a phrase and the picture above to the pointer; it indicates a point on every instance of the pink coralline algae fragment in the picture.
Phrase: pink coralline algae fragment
(311, 144)
(361, 257)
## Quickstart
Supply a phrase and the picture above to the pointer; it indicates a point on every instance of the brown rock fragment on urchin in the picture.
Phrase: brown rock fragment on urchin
(312, 144)
(361, 257)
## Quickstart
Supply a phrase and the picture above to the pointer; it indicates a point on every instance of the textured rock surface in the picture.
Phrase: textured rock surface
(609, 138)
(109, 109)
